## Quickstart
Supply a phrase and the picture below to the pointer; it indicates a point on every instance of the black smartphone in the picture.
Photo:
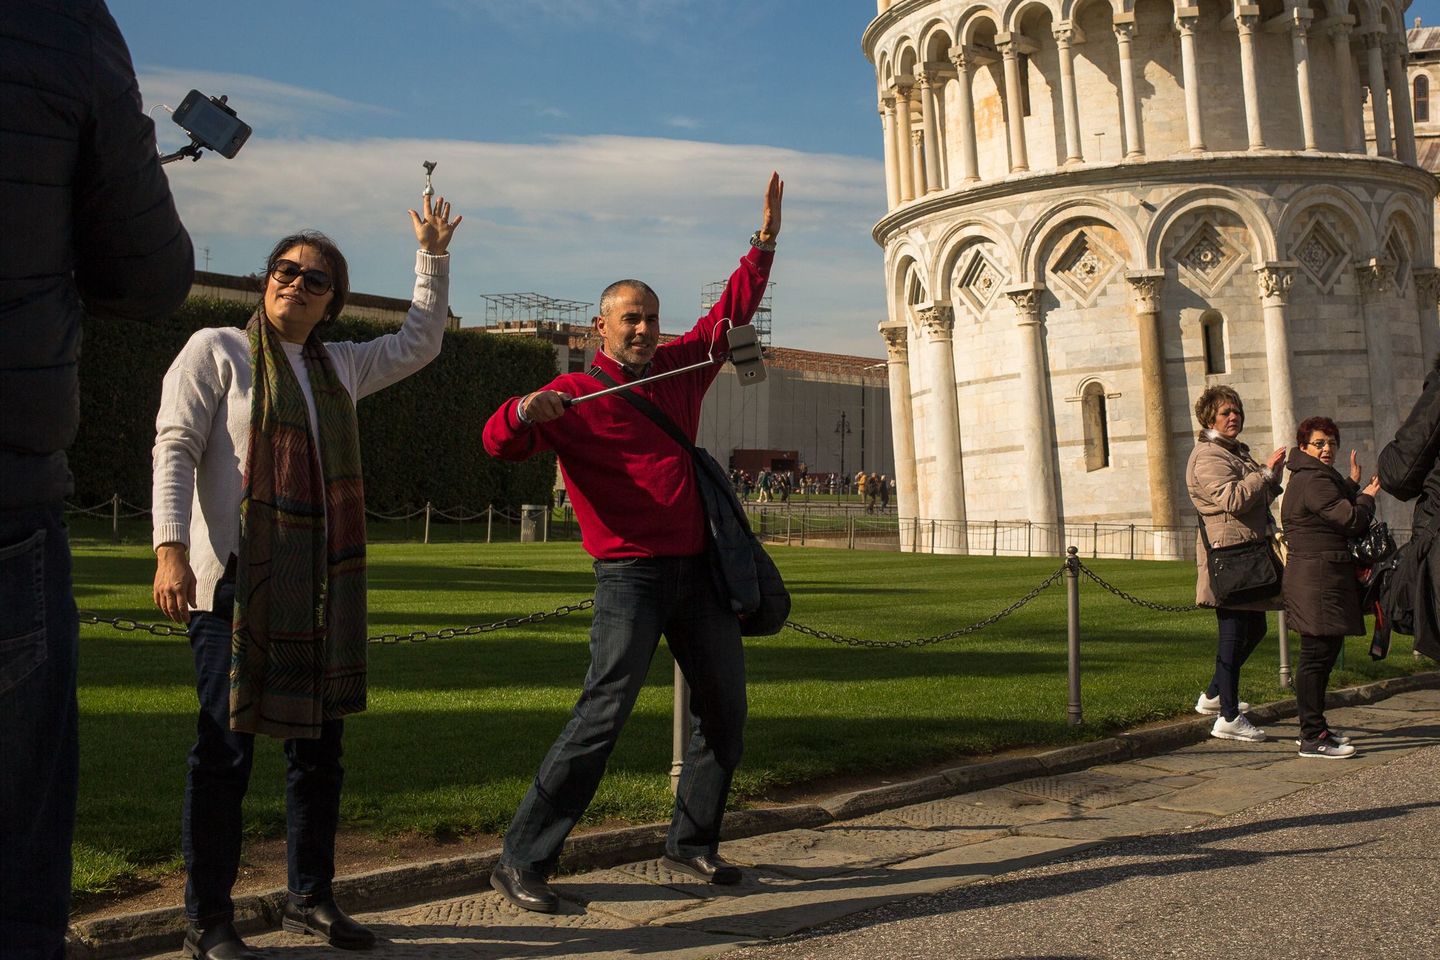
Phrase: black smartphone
(212, 123)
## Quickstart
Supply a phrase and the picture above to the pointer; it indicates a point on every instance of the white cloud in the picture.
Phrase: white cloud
(683, 123)
(564, 218)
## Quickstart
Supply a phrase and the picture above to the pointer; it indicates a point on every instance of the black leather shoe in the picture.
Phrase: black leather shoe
(218, 941)
(325, 919)
(711, 869)
(526, 890)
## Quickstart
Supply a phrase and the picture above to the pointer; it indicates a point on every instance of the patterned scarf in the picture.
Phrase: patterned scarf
(298, 649)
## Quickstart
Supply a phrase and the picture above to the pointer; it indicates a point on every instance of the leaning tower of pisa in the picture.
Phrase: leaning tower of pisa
(1096, 209)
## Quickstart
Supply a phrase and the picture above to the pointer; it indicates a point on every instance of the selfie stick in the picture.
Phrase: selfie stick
(745, 355)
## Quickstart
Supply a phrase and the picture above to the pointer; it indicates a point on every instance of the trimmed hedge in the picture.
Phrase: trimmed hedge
(419, 439)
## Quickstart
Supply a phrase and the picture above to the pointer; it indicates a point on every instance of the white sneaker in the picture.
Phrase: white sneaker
(1211, 707)
(1238, 729)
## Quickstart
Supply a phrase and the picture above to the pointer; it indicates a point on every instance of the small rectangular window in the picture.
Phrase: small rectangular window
(1213, 332)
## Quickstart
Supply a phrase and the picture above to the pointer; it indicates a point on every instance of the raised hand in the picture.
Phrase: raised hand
(434, 230)
(770, 216)
(1276, 459)
(1354, 467)
(1371, 488)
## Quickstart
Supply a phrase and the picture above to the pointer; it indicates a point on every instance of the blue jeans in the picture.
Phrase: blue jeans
(218, 773)
(39, 745)
(1240, 633)
(636, 600)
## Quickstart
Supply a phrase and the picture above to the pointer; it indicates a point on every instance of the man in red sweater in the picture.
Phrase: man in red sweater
(641, 517)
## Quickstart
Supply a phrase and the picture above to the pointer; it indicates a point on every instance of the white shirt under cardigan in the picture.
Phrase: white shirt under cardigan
(202, 433)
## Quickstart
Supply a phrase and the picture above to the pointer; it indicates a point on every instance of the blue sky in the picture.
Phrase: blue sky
(584, 140)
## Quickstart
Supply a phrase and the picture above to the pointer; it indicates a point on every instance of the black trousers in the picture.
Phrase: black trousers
(1317, 659)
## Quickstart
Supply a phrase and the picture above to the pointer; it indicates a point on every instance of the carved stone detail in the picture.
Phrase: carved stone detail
(938, 321)
(1145, 291)
(1427, 286)
(1320, 255)
(1275, 282)
(1027, 303)
(1374, 276)
(897, 343)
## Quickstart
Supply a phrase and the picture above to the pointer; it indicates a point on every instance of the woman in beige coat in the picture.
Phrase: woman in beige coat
(1232, 494)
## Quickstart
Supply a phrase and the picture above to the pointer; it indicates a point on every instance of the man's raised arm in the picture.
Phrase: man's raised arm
(746, 286)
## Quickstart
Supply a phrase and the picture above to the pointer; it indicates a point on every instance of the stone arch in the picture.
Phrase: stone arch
(973, 282)
(972, 20)
(1068, 8)
(960, 234)
(884, 73)
(1054, 219)
(907, 274)
(1015, 11)
(1304, 202)
(1262, 235)
(906, 57)
(1418, 219)
(936, 32)
(1079, 258)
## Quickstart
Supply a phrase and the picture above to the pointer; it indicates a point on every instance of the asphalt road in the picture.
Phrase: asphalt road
(1346, 869)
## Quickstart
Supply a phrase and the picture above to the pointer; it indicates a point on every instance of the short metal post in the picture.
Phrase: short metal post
(850, 535)
(1095, 542)
(489, 521)
(427, 521)
(1029, 526)
(1280, 620)
(115, 517)
(680, 730)
(1132, 541)
(1072, 616)
(914, 534)
(995, 538)
(787, 527)
(545, 527)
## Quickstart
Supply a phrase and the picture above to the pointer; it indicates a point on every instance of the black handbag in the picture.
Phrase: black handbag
(1243, 572)
(744, 572)
(1373, 545)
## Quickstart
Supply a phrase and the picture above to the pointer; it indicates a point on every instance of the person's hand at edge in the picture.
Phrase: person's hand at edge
(434, 230)
(543, 406)
(1373, 487)
(1276, 459)
(174, 590)
(1354, 467)
(770, 215)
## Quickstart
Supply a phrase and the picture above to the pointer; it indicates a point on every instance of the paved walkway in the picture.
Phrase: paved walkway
(1205, 805)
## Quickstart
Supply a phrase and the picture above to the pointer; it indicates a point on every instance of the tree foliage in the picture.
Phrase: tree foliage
(419, 439)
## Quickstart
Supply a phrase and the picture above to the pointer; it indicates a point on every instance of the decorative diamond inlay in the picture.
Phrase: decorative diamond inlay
(1084, 267)
(1396, 253)
(1207, 258)
(979, 281)
(1320, 255)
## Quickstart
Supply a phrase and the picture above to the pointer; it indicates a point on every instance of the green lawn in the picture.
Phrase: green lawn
(456, 728)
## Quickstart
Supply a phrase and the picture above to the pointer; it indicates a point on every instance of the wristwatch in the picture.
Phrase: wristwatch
(759, 244)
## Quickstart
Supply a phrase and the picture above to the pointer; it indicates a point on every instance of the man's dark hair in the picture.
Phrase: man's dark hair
(338, 269)
(1209, 404)
(1316, 424)
(608, 295)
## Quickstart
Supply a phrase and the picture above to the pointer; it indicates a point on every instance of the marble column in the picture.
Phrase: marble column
(969, 150)
(1349, 86)
(1014, 106)
(892, 154)
(917, 154)
(1274, 281)
(1124, 31)
(1245, 25)
(1064, 34)
(904, 160)
(1377, 301)
(942, 422)
(1427, 295)
(931, 132)
(1400, 102)
(1145, 290)
(1300, 49)
(1042, 499)
(1186, 19)
(1379, 111)
(902, 429)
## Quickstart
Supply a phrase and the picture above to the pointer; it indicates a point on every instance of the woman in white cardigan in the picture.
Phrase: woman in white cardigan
(259, 540)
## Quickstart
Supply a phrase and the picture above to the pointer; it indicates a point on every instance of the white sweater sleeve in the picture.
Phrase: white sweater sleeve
(376, 364)
(189, 399)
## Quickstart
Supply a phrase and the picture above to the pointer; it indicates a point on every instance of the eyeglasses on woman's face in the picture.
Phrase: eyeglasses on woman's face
(1323, 443)
(316, 282)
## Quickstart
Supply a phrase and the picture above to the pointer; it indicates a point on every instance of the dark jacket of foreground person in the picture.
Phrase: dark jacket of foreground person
(89, 225)
(1321, 512)
(1410, 470)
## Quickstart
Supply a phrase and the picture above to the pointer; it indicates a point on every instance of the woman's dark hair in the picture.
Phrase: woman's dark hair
(338, 269)
(1209, 404)
(1321, 424)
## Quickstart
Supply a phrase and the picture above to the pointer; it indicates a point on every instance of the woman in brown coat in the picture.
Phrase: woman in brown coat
(1232, 493)
(1321, 513)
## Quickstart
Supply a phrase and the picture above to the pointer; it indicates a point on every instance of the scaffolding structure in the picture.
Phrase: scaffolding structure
(533, 308)
(710, 294)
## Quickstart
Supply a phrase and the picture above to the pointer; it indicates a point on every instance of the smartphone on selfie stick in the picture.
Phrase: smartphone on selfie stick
(212, 125)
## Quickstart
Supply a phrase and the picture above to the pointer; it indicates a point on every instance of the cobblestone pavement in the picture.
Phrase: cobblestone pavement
(1214, 849)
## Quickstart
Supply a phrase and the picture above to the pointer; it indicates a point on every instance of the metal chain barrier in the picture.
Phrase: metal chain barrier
(1131, 598)
(418, 636)
(1040, 588)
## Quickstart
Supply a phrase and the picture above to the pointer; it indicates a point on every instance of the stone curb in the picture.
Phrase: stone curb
(155, 930)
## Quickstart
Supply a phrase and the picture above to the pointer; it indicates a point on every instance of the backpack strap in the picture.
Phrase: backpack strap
(645, 406)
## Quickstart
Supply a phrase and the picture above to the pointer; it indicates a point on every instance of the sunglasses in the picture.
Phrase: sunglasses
(316, 282)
